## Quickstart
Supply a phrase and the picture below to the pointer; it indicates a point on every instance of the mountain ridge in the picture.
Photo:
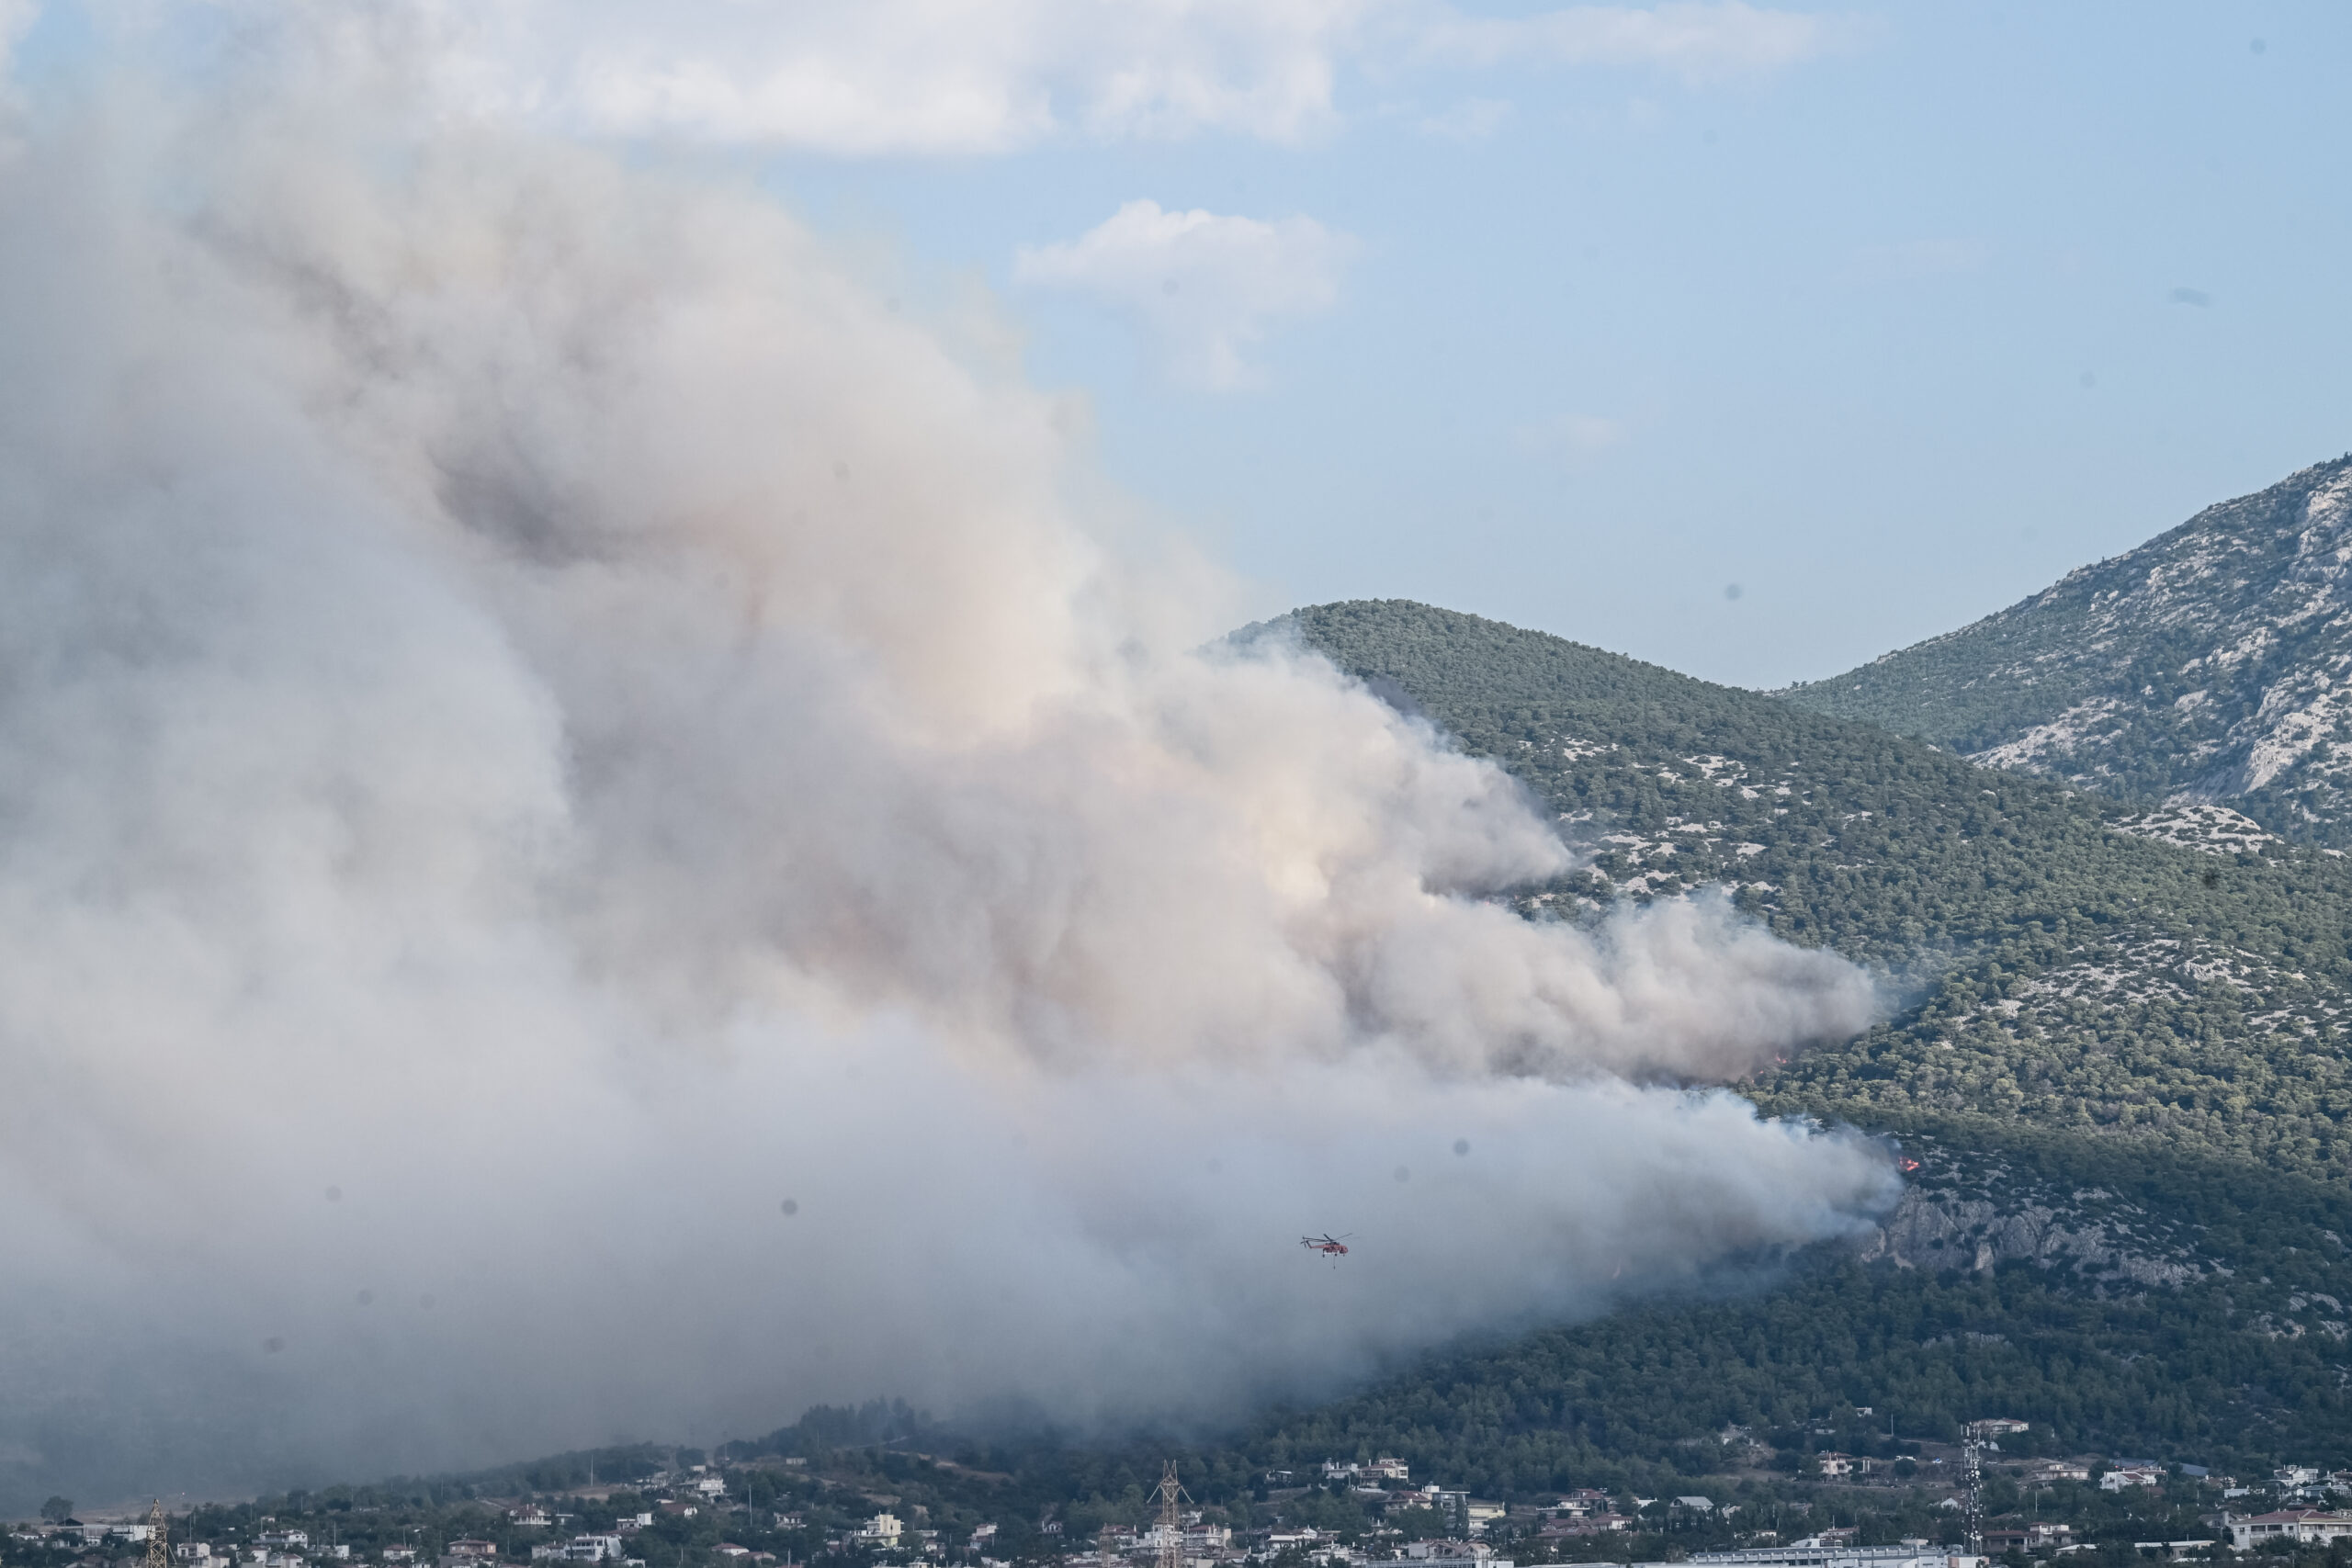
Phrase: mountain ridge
(2210, 665)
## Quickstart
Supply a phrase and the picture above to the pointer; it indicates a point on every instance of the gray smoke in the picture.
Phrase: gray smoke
(542, 718)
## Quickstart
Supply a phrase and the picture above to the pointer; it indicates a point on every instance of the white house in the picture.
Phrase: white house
(2301, 1525)
(2057, 1470)
(2130, 1475)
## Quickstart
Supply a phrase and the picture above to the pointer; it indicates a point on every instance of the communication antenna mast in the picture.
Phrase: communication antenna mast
(1172, 1520)
(159, 1553)
(1973, 1473)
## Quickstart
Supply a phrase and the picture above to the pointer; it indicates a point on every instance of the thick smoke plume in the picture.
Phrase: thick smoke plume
(542, 718)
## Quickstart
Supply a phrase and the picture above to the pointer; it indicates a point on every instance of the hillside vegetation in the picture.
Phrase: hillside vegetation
(2062, 968)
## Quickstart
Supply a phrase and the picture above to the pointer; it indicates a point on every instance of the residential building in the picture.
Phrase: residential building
(1388, 1467)
(2056, 1470)
(2029, 1537)
(881, 1529)
(1589, 1524)
(2130, 1475)
(1455, 1554)
(2303, 1526)
(1804, 1554)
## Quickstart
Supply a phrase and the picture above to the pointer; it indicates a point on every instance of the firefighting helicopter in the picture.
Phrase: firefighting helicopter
(1329, 1245)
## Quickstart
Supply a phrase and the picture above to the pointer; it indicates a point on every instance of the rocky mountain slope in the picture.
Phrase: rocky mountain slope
(2213, 664)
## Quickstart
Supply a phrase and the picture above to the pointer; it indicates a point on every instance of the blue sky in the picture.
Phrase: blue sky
(1578, 317)
(1889, 337)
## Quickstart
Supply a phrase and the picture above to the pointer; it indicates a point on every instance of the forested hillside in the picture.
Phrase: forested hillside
(2061, 967)
(2120, 1061)
(2209, 663)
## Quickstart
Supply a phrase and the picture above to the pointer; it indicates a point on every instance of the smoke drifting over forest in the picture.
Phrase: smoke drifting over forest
(543, 714)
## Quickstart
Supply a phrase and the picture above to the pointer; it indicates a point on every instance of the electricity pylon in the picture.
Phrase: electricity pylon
(1974, 1474)
(1172, 1520)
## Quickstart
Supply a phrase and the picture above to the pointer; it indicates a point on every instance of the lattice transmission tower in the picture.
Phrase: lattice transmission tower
(159, 1550)
(1171, 1500)
(1973, 1476)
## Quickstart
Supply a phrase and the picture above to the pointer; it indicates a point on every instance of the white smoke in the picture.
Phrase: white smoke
(541, 718)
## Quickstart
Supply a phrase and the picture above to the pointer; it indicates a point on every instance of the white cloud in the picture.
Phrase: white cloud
(963, 76)
(905, 76)
(1700, 39)
(1203, 287)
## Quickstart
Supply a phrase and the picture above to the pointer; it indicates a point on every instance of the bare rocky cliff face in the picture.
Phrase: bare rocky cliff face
(2212, 664)
(1937, 1230)
(1966, 1212)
